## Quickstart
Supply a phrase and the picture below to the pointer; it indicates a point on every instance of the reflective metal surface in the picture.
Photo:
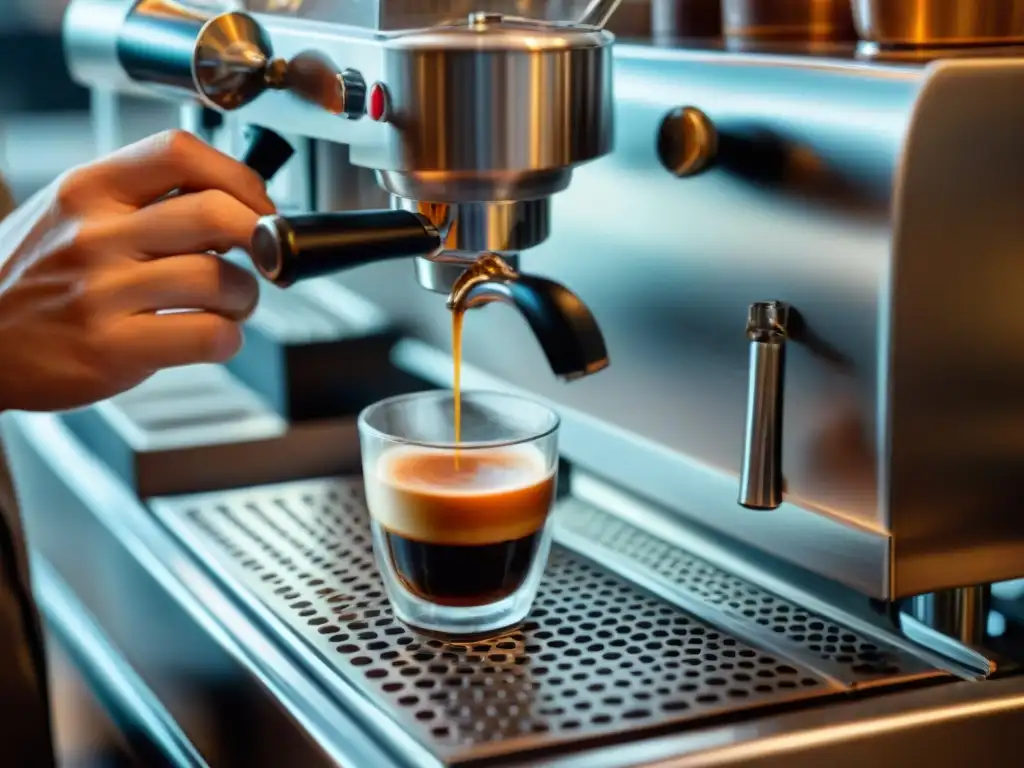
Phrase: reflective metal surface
(199, 427)
(961, 614)
(240, 641)
(540, 97)
(802, 205)
(541, 92)
(232, 62)
(598, 12)
(316, 79)
(761, 470)
(238, 698)
(561, 322)
(939, 22)
(226, 59)
(687, 142)
(389, 15)
(440, 273)
(501, 227)
(686, 18)
(154, 737)
(91, 29)
(808, 20)
(305, 550)
(797, 207)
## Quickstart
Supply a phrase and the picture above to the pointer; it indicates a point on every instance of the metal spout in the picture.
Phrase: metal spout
(564, 326)
(761, 482)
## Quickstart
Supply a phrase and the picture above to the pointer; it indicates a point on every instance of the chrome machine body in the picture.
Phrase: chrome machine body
(797, 482)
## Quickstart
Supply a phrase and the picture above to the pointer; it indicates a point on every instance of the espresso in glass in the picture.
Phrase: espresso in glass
(461, 529)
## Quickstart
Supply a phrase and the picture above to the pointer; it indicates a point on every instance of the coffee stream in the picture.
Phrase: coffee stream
(457, 317)
(461, 528)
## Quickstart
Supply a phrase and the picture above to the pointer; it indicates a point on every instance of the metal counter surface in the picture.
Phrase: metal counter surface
(246, 688)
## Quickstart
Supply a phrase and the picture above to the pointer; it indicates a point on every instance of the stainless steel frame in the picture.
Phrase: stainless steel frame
(853, 215)
(144, 586)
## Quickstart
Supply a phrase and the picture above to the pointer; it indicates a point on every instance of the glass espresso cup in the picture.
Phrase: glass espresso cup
(460, 530)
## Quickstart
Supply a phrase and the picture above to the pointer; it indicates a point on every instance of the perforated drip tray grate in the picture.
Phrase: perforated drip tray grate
(599, 657)
(848, 656)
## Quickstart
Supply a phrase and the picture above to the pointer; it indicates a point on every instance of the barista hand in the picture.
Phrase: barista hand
(88, 264)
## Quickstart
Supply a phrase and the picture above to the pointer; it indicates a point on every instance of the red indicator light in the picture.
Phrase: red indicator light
(378, 106)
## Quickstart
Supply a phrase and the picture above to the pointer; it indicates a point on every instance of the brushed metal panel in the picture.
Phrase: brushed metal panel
(955, 442)
(669, 266)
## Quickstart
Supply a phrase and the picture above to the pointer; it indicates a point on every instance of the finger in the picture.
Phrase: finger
(196, 281)
(203, 221)
(154, 342)
(175, 160)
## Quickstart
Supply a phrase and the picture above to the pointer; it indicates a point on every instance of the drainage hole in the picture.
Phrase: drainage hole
(636, 714)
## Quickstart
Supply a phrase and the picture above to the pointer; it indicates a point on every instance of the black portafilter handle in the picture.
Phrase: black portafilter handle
(267, 152)
(286, 249)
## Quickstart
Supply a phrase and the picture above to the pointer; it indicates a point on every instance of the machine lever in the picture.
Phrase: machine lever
(267, 152)
(286, 249)
(761, 473)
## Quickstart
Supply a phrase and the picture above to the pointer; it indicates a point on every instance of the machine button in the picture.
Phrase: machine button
(379, 103)
(687, 142)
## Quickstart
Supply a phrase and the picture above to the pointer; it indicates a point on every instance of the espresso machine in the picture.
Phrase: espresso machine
(787, 529)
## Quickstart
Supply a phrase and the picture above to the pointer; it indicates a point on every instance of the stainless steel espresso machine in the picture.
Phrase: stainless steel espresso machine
(788, 530)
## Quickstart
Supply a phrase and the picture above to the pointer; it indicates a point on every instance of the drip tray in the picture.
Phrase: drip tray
(600, 659)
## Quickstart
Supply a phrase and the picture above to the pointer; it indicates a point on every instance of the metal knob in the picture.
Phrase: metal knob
(687, 142)
(313, 77)
(226, 60)
(761, 472)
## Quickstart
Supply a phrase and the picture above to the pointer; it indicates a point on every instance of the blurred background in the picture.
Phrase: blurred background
(44, 117)
(44, 130)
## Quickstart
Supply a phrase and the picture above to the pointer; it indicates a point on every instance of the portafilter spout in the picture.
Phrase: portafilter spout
(563, 324)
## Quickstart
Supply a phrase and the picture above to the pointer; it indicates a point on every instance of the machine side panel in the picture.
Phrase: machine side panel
(957, 366)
